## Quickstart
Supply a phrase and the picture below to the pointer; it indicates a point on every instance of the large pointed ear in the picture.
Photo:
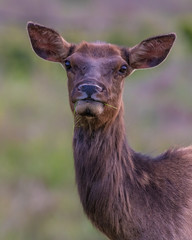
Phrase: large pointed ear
(151, 52)
(47, 43)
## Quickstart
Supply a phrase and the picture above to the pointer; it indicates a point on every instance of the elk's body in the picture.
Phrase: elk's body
(127, 195)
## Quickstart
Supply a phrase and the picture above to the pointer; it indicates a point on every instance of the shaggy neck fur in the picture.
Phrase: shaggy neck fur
(104, 167)
(126, 194)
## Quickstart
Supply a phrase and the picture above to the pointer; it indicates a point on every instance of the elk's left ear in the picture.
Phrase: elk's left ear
(151, 52)
(47, 43)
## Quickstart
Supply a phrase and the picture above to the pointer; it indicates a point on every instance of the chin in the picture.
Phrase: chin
(89, 108)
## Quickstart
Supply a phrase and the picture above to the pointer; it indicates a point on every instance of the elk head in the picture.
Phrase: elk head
(96, 71)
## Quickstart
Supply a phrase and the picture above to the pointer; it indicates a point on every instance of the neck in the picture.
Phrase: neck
(103, 160)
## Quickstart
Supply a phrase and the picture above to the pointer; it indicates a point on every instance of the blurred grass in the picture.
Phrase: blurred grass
(38, 196)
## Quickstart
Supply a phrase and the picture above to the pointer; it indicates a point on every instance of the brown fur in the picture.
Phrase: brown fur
(127, 195)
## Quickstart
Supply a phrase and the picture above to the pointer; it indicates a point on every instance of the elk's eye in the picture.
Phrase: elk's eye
(67, 64)
(123, 69)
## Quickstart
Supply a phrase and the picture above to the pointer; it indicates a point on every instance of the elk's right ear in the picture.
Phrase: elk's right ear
(47, 43)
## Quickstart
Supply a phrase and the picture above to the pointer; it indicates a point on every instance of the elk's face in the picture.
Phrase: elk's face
(96, 71)
(95, 80)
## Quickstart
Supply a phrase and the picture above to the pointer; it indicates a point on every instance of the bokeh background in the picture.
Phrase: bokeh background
(38, 196)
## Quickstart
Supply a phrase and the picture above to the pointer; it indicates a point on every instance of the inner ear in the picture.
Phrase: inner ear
(151, 52)
(47, 43)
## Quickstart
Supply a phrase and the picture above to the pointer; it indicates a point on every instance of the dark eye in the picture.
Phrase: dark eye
(67, 64)
(123, 69)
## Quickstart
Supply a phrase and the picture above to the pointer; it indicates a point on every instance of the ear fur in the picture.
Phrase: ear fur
(47, 43)
(151, 52)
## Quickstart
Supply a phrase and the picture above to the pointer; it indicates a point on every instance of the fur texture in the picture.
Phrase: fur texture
(131, 196)
(127, 195)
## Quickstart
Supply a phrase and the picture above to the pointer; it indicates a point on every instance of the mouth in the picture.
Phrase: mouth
(88, 107)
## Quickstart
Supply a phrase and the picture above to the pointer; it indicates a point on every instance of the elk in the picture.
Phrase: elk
(127, 195)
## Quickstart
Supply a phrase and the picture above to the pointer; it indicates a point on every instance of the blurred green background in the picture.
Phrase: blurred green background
(38, 196)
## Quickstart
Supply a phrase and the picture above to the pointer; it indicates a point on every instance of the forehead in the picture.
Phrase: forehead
(97, 52)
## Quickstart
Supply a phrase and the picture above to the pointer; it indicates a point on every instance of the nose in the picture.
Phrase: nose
(89, 89)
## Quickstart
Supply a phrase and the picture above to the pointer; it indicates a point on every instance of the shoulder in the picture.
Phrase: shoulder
(175, 163)
(184, 151)
(183, 154)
